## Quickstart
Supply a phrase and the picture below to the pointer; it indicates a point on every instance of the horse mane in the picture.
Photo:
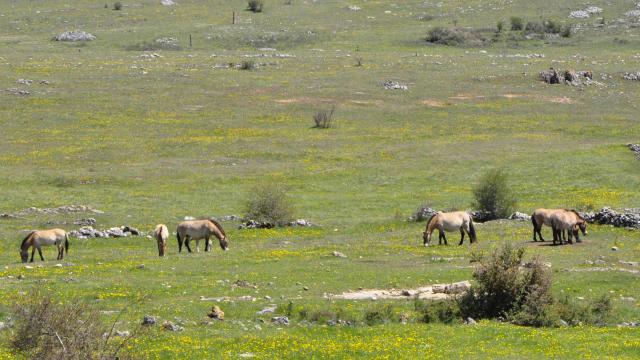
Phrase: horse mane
(217, 224)
(27, 238)
(577, 214)
(431, 218)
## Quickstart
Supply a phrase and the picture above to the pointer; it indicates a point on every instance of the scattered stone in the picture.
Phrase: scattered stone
(52, 211)
(231, 218)
(470, 321)
(338, 254)
(252, 224)
(280, 320)
(454, 288)
(563, 323)
(305, 288)
(85, 222)
(519, 216)
(114, 232)
(431, 292)
(354, 8)
(635, 148)
(141, 266)
(44, 82)
(75, 36)
(58, 265)
(246, 355)
(25, 81)
(614, 248)
(167, 2)
(245, 284)
(422, 214)
(123, 333)
(481, 216)
(630, 263)
(216, 313)
(634, 76)
(583, 14)
(15, 91)
(267, 310)
(169, 326)
(21, 277)
(632, 13)
(394, 85)
(148, 320)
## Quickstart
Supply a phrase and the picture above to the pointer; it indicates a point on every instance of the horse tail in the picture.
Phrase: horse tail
(472, 230)
(30, 235)
(66, 244)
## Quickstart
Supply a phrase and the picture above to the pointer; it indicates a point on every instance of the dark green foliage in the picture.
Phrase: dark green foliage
(595, 312)
(500, 26)
(447, 311)
(255, 6)
(566, 31)
(269, 203)
(534, 27)
(247, 65)
(516, 23)
(117, 6)
(506, 290)
(455, 37)
(379, 315)
(494, 195)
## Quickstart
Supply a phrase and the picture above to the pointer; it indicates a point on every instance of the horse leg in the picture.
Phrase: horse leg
(33, 252)
(40, 253)
(186, 242)
(462, 236)
(540, 233)
(207, 245)
(555, 235)
(569, 236)
(444, 237)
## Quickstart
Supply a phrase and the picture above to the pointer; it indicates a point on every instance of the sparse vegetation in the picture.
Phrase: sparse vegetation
(323, 119)
(493, 194)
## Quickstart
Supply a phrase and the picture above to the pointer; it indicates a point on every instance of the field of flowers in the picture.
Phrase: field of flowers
(153, 136)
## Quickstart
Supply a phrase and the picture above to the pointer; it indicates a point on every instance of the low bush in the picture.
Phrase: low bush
(269, 203)
(499, 26)
(46, 329)
(594, 312)
(255, 6)
(379, 315)
(117, 6)
(516, 23)
(447, 311)
(456, 37)
(247, 65)
(509, 291)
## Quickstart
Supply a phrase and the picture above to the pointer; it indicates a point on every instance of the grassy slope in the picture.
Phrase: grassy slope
(185, 138)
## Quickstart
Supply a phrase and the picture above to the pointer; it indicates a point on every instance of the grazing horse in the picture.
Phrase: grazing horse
(568, 220)
(452, 221)
(161, 234)
(542, 217)
(198, 230)
(37, 239)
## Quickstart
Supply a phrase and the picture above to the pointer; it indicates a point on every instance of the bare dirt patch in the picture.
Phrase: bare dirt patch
(429, 292)
(434, 103)
(304, 100)
(560, 100)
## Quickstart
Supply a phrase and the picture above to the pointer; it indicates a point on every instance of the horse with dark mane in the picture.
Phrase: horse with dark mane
(570, 221)
(38, 238)
(451, 221)
(198, 230)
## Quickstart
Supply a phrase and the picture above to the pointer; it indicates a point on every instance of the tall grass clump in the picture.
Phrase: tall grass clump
(255, 6)
(494, 195)
(506, 290)
(269, 203)
(323, 119)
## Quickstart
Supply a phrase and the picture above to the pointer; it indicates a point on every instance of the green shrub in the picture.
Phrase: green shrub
(117, 6)
(516, 23)
(447, 311)
(379, 315)
(494, 195)
(269, 203)
(255, 6)
(534, 27)
(500, 26)
(506, 290)
(455, 37)
(566, 31)
(247, 65)
(552, 27)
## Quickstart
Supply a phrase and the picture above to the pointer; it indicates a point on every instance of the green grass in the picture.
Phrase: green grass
(153, 140)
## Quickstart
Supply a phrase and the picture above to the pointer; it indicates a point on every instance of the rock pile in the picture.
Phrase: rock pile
(586, 13)
(635, 148)
(423, 213)
(629, 218)
(634, 76)
(52, 211)
(114, 232)
(519, 216)
(394, 85)
(253, 224)
(75, 36)
(570, 77)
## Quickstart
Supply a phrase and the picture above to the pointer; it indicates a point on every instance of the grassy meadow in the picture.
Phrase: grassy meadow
(151, 140)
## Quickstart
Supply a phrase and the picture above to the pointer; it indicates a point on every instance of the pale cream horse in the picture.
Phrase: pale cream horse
(451, 221)
(570, 221)
(37, 239)
(161, 233)
(542, 217)
(198, 230)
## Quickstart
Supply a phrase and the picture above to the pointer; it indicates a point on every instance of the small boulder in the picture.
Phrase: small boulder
(169, 326)
(216, 313)
(280, 320)
(148, 320)
(338, 254)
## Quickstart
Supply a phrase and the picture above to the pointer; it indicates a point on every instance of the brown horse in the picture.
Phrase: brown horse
(542, 217)
(568, 220)
(198, 230)
(161, 234)
(37, 239)
(451, 221)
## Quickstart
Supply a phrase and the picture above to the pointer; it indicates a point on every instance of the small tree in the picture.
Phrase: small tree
(494, 195)
(516, 23)
(269, 203)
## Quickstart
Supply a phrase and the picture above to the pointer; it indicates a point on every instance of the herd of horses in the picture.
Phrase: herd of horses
(561, 221)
